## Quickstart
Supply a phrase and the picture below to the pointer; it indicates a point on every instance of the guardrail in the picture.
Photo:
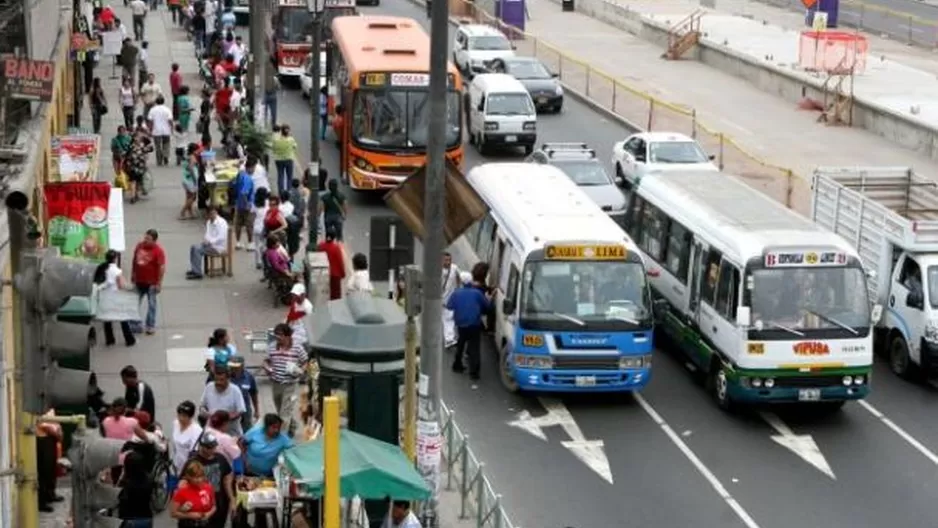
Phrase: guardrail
(463, 470)
(906, 27)
(644, 111)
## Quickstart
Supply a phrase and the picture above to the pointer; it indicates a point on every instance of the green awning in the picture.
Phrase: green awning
(368, 468)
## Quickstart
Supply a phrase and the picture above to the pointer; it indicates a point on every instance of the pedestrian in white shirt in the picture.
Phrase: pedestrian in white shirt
(214, 243)
(300, 308)
(149, 92)
(260, 213)
(238, 50)
(450, 283)
(160, 118)
(143, 63)
(286, 208)
(360, 281)
(109, 279)
(139, 9)
(400, 516)
(259, 177)
(186, 432)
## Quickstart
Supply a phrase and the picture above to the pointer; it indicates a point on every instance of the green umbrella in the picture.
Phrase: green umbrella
(368, 468)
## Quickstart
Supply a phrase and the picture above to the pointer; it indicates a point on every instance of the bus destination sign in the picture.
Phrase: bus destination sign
(410, 79)
(583, 252)
(804, 259)
(400, 79)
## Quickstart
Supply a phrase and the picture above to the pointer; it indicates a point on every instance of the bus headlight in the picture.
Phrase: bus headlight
(534, 362)
(848, 381)
(858, 380)
(769, 383)
(364, 165)
(633, 362)
(490, 126)
(756, 382)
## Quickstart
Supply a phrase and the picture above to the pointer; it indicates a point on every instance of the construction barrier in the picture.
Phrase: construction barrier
(646, 112)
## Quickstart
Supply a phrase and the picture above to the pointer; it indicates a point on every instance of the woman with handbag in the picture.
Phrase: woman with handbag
(98, 104)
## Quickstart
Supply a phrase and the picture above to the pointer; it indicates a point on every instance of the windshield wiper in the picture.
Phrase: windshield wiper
(787, 329)
(833, 321)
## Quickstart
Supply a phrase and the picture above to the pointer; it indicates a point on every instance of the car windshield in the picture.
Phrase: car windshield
(295, 25)
(584, 295)
(489, 43)
(398, 120)
(791, 302)
(527, 70)
(675, 152)
(584, 172)
(509, 104)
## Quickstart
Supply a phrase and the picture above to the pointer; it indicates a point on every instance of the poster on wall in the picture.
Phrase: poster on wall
(32, 80)
(78, 218)
(74, 158)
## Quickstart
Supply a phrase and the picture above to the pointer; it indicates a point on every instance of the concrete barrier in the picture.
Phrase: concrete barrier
(791, 85)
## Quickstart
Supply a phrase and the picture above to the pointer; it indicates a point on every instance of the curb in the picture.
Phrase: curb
(576, 94)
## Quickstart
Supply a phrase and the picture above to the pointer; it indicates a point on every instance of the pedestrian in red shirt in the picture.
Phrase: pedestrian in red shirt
(148, 270)
(336, 256)
(193, 501)
(175, 86)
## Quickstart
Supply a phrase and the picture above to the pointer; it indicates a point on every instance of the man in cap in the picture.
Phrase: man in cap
(245, 381)
(218, 473)
(300, 308)
(468, 304)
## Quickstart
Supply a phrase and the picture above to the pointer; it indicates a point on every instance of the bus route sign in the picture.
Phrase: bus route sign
(584, 252)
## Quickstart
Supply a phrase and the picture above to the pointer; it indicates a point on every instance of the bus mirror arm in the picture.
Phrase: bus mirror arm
(743, 316)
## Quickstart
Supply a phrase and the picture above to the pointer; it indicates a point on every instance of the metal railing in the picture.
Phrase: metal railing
(466, 474)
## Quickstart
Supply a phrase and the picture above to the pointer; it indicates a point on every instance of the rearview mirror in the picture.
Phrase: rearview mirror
(915, 299)
(711, 157)
(508, 306)
(743, 316)
(871, 275)
(659, 307)
(514, 47)
(619, 179)
(481, 107)
(555, 75)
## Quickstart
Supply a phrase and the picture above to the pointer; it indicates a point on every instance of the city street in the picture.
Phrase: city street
(673, 458)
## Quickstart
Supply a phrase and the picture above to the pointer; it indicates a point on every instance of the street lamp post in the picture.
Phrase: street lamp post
(316, 8)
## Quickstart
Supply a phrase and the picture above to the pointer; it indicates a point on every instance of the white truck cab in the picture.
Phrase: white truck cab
(891, 215)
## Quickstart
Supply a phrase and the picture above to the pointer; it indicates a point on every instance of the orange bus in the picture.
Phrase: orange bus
(381, 73)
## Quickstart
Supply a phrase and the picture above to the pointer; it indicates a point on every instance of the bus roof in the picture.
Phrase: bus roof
(538, 204)
(374, 43)
(731, 214)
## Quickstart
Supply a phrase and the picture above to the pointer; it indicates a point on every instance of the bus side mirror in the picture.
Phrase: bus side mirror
(659, 307)
(743, 316)
(876, 314)
(871, 274)
(508, 306)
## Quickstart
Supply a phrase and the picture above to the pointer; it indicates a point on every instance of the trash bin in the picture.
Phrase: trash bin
(567, 5)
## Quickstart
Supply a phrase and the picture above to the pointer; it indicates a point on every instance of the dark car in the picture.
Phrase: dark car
(579, 162)
(543, 85)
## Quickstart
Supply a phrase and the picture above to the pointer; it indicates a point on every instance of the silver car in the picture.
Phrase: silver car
(579, 162)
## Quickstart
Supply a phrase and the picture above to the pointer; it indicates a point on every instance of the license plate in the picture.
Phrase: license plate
(585, 381)
(809, 395)
(541, 100)
(511, 139)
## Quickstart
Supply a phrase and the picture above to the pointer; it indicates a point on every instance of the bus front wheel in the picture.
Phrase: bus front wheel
(505, 371)
(719, 385)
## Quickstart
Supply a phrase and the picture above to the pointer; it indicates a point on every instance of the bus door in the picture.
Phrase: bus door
(698, 270)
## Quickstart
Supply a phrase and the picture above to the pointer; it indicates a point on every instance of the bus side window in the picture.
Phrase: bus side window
(727, 290)
(677, 254)
(504, 267)
(472, 234)
(708, 283)
(511, 291)
(653, 231)
(483, 244)
(495, 269)
(633, 218)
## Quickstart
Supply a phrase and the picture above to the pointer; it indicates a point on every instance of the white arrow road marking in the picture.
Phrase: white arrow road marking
(590, 452)
(802, 445)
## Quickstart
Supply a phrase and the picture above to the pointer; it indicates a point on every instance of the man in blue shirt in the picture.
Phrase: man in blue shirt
(245, 381)
(242, 191)
(468, 304)
(262, 446)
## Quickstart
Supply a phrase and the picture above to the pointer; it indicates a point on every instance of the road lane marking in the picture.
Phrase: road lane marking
(698, 464)
(930, 455)
(590, 452)
(802, 445)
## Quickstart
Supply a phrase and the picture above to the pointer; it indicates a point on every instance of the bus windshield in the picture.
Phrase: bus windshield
(294, 25)
(809, 302)
(585, 296)
(395, 119)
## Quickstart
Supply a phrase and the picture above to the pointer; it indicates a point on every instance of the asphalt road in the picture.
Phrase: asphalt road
(675, 460)
(905, 20)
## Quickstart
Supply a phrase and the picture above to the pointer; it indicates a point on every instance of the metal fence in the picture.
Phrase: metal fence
(647, 112)
(466, 474)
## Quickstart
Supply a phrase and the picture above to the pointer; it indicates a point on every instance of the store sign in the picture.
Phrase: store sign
(28, 79)
(804, 258)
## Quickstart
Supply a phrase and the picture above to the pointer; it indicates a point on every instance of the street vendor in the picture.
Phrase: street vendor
(300, 308)
(262, 446)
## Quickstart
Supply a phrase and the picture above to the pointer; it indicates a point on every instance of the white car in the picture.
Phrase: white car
(477, 45)
(306, 78)
(647, 152)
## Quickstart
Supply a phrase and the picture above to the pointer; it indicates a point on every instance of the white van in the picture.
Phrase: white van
(500, 113)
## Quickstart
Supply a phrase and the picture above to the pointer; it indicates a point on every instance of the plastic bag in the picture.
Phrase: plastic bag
(121, 181)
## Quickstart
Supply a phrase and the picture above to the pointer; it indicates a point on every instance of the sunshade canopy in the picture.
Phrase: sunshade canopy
(368, 468)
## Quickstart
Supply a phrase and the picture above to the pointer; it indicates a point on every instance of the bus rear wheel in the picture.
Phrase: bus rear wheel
(505, 371)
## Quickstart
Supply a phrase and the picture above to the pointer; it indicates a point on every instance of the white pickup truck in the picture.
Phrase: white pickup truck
(891, 215)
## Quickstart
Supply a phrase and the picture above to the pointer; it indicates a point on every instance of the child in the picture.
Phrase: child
(181, 140)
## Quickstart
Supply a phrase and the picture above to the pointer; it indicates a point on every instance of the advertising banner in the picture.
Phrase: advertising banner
(28, 79)
(78, 218)
(75, 157)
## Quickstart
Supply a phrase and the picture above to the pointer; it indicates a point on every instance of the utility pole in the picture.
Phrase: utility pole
(257, 54)
(431, 334)
(316, 7)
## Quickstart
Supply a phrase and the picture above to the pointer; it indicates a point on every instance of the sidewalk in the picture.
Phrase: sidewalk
(765, 125)
(171, 361)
